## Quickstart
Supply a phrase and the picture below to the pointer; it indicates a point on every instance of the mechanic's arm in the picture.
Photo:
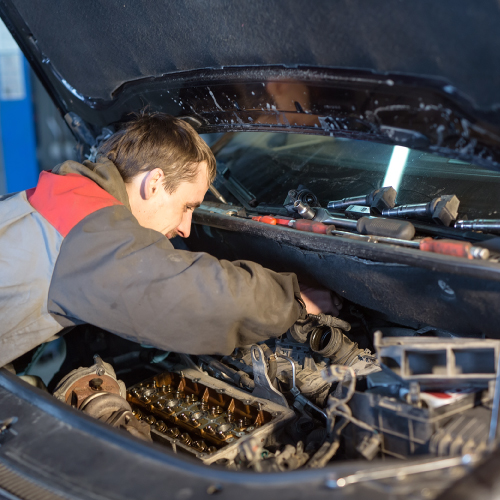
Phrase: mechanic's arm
(115, 274)
(320, 300)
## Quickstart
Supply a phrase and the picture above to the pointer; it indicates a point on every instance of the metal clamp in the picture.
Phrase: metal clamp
(263, 386)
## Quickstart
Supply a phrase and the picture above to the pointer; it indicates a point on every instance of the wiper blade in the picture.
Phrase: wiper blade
(227, 179)
(235, 187)
(216, 147)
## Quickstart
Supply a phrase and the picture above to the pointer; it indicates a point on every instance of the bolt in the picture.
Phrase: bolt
(173, 432)
(160, 425)
(216, 410)
(195, 417)
(96, 384)
(210, 429)
(200, 445)
(185, 438)
(150, 420)
(243, 423)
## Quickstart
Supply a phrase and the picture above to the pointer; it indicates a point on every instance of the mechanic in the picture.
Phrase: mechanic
(90, 244)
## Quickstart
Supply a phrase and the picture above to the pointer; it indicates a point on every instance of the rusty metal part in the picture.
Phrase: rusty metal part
(81, 383)
(85, 386)
(97, 392)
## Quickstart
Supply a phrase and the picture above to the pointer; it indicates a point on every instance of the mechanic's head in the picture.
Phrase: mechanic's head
(167, 168)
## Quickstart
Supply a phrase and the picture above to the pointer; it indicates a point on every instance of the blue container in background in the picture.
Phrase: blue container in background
(19, 164)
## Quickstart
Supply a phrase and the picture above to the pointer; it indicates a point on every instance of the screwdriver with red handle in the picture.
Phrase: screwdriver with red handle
(452, 248)
(446, 247)
(300, 224)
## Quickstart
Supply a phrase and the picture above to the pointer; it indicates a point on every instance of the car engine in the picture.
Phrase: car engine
(307, 398)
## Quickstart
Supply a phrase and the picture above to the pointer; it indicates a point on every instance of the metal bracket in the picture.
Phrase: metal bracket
(263, 387)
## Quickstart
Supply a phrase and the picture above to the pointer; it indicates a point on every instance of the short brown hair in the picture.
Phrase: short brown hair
(158, 140)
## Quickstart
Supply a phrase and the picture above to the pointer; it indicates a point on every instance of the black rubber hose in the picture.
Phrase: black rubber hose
(332, 343)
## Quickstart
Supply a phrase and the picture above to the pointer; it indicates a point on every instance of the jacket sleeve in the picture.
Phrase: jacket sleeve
(115, 274)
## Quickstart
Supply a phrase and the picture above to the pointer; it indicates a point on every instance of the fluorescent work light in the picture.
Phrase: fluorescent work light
(396, 167)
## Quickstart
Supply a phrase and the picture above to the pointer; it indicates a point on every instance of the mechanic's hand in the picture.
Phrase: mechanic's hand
(320, 300)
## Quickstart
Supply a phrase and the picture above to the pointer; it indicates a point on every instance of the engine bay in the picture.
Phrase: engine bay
(307, 399)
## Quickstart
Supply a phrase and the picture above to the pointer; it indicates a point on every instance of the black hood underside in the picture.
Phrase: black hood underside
(421, 74)
(98, 46)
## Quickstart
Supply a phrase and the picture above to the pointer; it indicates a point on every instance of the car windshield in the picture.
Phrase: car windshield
(269, 164)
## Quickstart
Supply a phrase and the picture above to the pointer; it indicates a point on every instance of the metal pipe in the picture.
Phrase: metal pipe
(405, 470)
(290, 360)
(495, 410)
(488, 225)
(376, 239)
(295, 391)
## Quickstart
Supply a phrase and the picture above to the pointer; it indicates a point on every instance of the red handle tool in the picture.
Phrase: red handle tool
(453, 248)
(445, 247)
(309, 226)
(300, 224)
(267, 219)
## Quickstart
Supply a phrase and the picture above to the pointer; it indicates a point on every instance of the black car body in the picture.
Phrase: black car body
(357, 79)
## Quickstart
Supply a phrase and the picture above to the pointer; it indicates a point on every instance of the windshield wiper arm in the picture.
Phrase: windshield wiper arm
(235, 187)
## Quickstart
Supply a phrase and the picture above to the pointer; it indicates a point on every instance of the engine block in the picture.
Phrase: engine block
(202, 415)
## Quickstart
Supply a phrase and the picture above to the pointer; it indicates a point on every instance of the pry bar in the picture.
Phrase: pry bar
(376, 226)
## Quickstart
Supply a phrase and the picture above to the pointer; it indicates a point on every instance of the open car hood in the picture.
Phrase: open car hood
(424, 75)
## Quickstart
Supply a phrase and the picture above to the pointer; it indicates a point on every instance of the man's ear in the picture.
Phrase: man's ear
(153, 182)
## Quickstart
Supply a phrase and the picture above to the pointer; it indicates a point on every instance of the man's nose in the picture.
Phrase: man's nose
(184, 228)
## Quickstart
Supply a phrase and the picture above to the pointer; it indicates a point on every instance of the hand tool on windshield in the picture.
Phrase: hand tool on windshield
(300, 224)
(446, 247)
(365, 225)
(300, 194)
(377, 200)
(485, 225)
(443, 210)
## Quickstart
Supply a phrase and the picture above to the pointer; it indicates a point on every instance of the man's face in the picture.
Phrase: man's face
(167, 213)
